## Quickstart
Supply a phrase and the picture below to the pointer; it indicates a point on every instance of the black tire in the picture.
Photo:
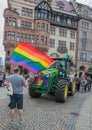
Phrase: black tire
(33, 93)
(60, 89)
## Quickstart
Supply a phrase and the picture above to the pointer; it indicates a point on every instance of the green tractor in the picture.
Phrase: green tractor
(56, 79)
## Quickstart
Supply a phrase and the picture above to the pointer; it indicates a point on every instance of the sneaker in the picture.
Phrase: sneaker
(11, 122)
(22, 121)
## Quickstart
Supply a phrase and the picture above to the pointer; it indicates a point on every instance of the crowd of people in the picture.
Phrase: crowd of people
(19, 80)
(83, 82)
(4, 75)
(2, 78)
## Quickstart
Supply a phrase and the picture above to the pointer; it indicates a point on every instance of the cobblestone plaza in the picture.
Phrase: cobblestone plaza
(43, 113)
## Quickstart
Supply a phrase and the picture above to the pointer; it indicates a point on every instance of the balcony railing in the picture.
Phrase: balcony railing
(66, 25)
(57, 23)
(43, 48)
(61, 49)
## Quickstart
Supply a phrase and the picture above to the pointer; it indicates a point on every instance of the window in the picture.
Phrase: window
(73, 23)
(42, 39)
(27, 11)
(13, 36)
(84, 35)
(30, 25)
(23, 11)
(10, 21)
(84, 25)
(43, 14)
(64, 21)
(14, 22)
(32, 38)
(43, 27)
(26, 25)
(22, 24)
(31, 13)
(85, 12)
(72, 34)
(83, 45)
(72, 46)
(83, 56)
(22, 37)
(43, 11)
(52, 30)
(62, 43)
(28, 37)
(18, 36)
(25, 37)
(9, 35)
(63, 32)
(52, 43)
(38, 26)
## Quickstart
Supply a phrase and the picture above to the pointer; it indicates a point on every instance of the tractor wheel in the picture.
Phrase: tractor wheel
(73, 88)
(61, 90)
(33, 93)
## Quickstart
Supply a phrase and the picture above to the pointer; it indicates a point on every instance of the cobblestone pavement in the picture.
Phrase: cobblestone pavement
(44, 113)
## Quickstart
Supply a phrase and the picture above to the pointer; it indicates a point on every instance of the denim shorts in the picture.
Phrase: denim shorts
(16, 101)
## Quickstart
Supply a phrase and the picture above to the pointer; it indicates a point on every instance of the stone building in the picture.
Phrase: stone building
(84, 59)
(50, 25)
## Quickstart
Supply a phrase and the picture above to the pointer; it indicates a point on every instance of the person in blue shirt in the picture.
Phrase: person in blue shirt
(18, 82)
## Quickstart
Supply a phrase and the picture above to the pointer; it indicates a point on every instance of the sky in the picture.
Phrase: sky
(3, 5)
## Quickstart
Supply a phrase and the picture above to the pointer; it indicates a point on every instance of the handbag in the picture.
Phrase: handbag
(10, 89)
(8, 85)
(5, 83)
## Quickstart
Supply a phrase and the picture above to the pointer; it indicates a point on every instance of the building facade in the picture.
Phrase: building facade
(50, 25)
(84, 59)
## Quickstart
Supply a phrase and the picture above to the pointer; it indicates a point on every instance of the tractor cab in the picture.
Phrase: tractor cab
(63, 65)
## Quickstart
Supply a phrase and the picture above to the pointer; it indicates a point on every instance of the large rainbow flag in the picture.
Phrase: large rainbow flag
(30, 58)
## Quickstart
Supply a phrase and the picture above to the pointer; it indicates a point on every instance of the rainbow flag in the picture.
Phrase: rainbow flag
(83, 74)
(30, 58)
